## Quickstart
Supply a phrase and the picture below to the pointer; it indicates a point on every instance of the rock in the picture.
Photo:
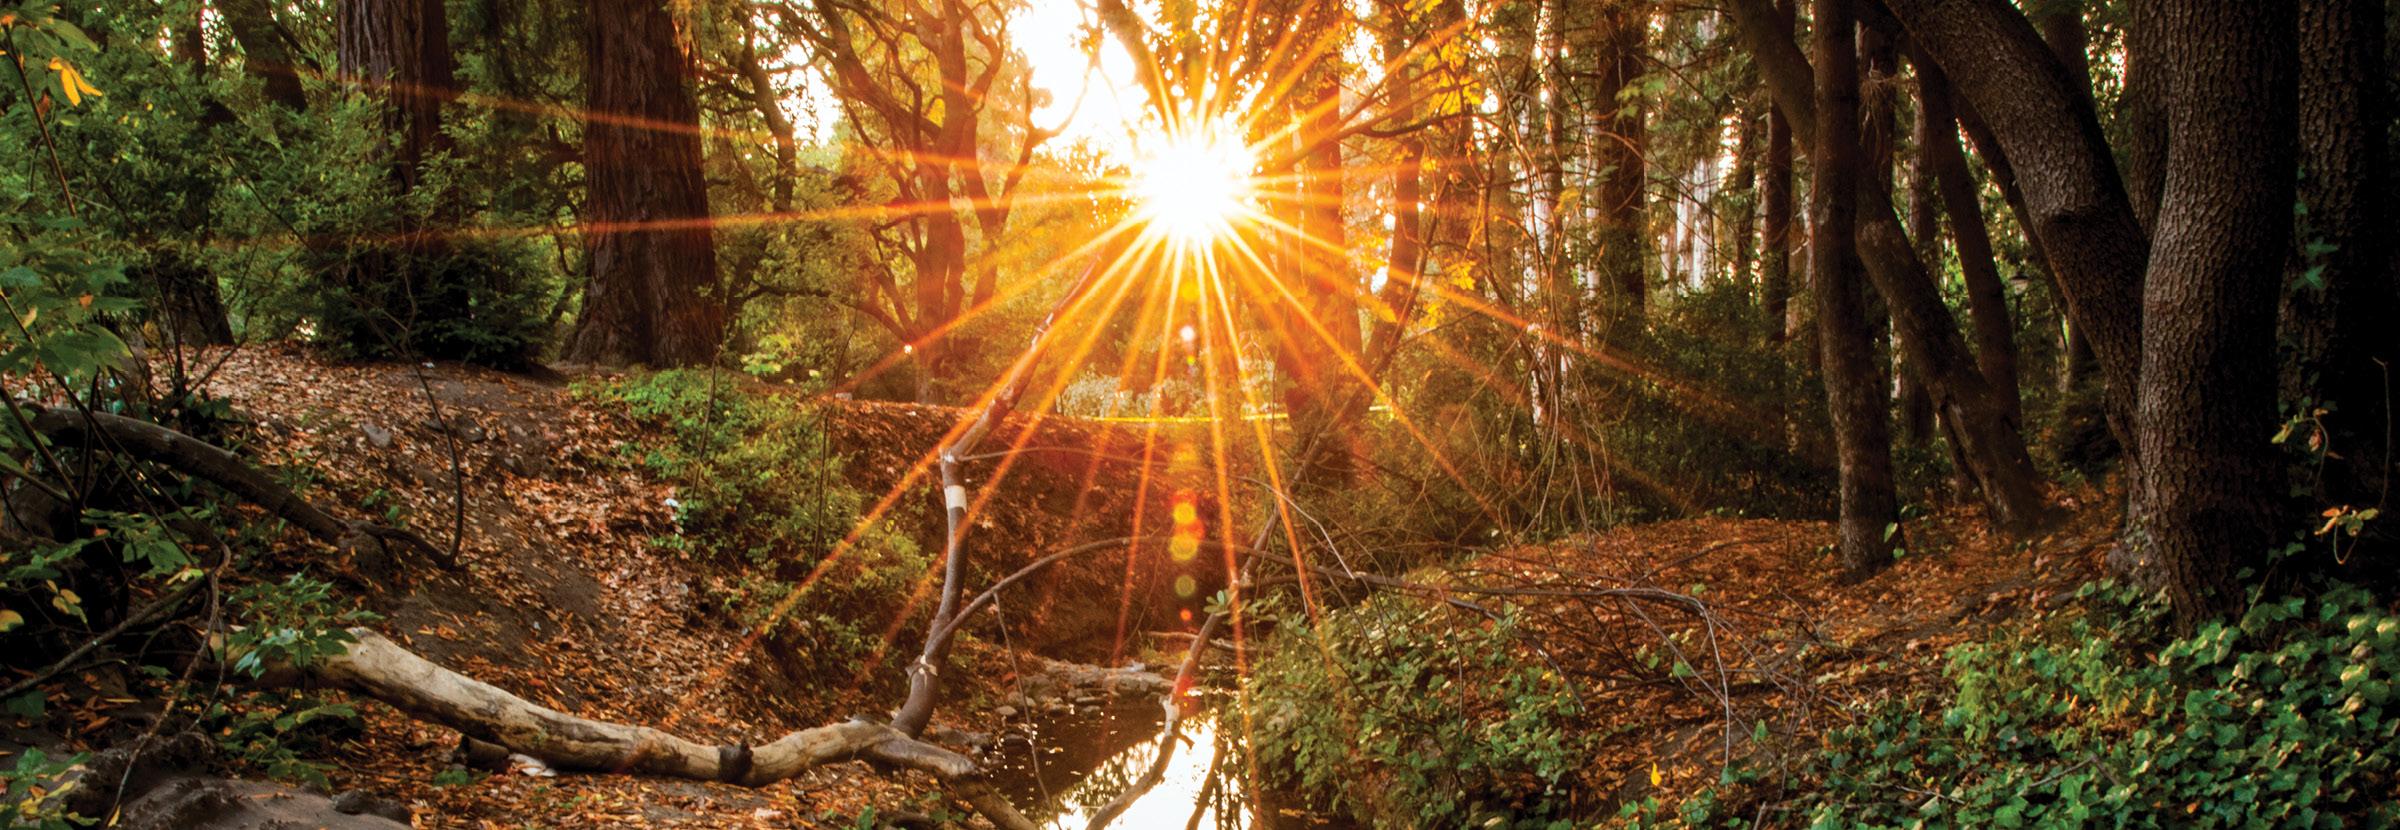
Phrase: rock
(362, 802)
(378, 436)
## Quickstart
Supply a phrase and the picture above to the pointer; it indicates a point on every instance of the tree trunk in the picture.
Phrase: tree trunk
(2068, 174)
(1914, 407)
(1987, 298)
(1775, 208)
(1929, 336)
(400, 51)
(2145, 107)
(653, 294)
(266, 50)
(2207, 473)
(1869, 510)
(1621, 137)
(2341, 298)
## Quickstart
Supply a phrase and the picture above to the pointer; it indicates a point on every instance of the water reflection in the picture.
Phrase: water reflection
(1061, 769)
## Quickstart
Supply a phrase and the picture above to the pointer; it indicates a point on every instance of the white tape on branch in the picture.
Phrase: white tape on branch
(955, 496)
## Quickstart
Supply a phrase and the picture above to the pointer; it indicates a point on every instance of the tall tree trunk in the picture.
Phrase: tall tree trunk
(1928, 335)
(653, 297)
(1987, 297)
(2009, 76)
(400, 51)
(2207, 473)
(1915, 408)
(2338, 308)
(1622, 139)
(1775, 209)
(266, 50)
(1861, 436)
(2083, 437)
(2145, 106)
(397, 52)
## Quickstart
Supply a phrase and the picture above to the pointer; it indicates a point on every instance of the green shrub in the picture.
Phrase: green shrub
(2284, 719)
(759, 488)
(1408, 713)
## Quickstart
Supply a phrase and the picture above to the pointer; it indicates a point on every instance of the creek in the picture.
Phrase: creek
(1060, 768)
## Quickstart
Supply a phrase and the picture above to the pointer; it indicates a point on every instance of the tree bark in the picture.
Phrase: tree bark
(1869, 509)
(2207, 473)
(1622, 137)
(399, 50)
(653, 297)
(1987, 297)
(2145, 107)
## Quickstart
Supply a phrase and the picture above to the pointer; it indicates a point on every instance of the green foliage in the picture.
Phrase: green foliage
(30, 804)
(294, 622)
(2287, 718)
(1406, 713)
(473, 301)
(759, 488)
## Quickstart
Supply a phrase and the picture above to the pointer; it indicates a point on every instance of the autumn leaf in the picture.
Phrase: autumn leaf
(9, 620)
(1655, 775)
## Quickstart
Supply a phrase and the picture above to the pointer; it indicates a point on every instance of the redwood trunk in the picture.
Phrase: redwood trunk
(652, 298)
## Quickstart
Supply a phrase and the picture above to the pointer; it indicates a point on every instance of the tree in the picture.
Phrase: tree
(1928, 336)
(399, 50)
(2341, 291)
(1987, 298)
(935, 89)
(1775, 224)
(654, 296)
(2046, 124)
(2207, 476)
(1862, 435)
(267, 50)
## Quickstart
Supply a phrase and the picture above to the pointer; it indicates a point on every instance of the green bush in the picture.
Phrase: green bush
(759, 488)
(2284, 719)
(1406, 713)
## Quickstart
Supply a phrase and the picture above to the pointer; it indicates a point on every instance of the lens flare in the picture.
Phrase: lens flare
(1193, 185)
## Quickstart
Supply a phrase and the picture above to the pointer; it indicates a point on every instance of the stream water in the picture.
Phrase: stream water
(1060, 769)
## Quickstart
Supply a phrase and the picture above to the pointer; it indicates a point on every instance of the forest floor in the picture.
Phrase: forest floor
(565, 601)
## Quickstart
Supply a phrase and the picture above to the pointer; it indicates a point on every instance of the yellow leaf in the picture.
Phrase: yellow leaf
(85, 84)
(66, 81)
(9, 620)
(1655, 775)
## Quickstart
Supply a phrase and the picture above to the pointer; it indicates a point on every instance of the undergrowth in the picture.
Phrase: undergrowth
(759, 490)
(2284, 718)
(1408, 714)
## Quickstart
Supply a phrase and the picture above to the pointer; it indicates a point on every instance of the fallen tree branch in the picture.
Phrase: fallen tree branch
(192, 456)
(375, 667)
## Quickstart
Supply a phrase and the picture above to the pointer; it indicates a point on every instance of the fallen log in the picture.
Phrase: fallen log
(191, 456)
(375, 667)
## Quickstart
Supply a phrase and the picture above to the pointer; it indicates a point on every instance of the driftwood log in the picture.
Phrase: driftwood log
(375, 667)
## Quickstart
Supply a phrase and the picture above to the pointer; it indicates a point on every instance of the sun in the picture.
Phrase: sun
(1194, 185)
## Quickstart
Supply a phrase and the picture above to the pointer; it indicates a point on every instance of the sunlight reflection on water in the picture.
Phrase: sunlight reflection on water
(1075, 764)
